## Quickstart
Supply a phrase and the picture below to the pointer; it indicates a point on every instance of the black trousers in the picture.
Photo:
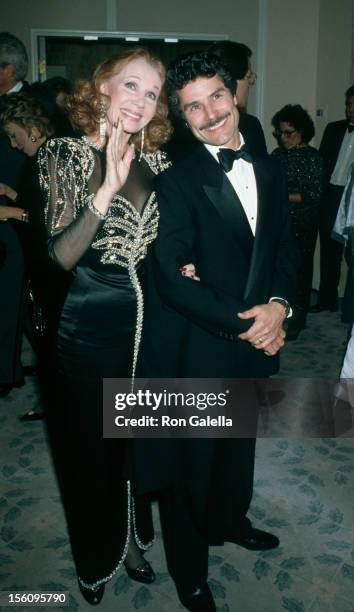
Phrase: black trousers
(186, 548)
(331, 251)
(348, 298)
(11, 306)
(203, 512)
(305, 223)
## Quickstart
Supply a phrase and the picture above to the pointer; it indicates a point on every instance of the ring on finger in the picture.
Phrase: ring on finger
(260, 340)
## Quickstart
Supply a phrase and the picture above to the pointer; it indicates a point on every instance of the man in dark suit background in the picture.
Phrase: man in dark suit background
(13, 69)
(231, 222)
(237, 56)
(337, 150)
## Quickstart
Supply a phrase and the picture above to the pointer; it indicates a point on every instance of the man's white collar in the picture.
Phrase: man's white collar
(214, 150)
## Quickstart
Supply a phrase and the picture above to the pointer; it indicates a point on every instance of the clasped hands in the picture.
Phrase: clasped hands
(266, 333)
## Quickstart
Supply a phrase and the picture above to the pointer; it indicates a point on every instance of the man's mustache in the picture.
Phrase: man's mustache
(214, 122)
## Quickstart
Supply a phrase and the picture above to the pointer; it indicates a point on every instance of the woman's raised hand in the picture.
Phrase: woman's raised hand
(119, 155)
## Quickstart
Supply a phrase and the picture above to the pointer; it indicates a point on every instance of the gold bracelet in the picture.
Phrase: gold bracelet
(93, 209)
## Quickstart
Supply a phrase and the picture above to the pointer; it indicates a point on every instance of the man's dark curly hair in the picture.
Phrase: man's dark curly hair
(189, 67)
(298, 117)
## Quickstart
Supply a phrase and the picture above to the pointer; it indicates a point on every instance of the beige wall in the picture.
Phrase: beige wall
(291, 57)
(22, 15)
(334, 60)
(237, 18)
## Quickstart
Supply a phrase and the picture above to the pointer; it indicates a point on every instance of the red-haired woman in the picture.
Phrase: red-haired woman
(101, 216)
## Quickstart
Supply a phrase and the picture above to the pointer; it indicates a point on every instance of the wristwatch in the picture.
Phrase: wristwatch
(285, 303)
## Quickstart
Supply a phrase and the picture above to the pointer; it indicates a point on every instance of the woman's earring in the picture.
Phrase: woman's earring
(33, 139)
(102, 130)
(103, 125)
(142, 140)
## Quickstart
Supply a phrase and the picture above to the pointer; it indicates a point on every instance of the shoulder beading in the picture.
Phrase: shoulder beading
(65, 166)
(157, 161)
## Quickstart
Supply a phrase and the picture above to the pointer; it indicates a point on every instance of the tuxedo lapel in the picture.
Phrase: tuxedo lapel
(224, 199)
(263, 226)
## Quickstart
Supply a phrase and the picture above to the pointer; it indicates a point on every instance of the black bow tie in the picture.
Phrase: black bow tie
(350, 128)
(228, 156)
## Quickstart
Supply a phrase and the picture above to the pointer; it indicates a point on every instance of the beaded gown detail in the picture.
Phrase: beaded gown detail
(99, 336)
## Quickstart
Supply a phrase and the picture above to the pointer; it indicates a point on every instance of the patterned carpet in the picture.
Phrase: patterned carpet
(304, 492)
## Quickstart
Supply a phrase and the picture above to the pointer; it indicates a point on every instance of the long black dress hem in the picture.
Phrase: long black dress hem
(131, 530)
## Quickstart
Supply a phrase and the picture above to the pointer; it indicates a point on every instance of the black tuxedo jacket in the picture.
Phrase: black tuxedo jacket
(191, 327)
(330, 146)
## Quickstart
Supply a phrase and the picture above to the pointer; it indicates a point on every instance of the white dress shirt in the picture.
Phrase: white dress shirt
(243, 180)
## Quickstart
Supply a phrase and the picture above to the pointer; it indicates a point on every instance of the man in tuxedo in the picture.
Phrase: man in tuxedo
(337, 150)
(230, 221)
(13, 69)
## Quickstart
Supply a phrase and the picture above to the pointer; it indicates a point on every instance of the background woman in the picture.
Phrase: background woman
(293, 129)
(27, 124)
(101, 216)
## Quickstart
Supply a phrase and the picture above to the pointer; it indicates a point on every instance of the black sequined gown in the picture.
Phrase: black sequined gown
(99, 336)
(303, 169)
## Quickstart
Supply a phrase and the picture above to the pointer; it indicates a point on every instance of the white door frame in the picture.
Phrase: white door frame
(38, 60)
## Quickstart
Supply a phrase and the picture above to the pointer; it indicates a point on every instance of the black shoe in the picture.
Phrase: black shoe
(32, 415)
(201, 600)
(92, 596)
(143, 573)
(256, 539)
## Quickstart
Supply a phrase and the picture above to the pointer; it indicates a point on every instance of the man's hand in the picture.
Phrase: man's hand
(12, 212)
(275, 346)
(267, 332)
(8, 192)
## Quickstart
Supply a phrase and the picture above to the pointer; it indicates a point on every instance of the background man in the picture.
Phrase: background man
(13, 69)
(238, 58)
(337, 150)
(231, 222)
